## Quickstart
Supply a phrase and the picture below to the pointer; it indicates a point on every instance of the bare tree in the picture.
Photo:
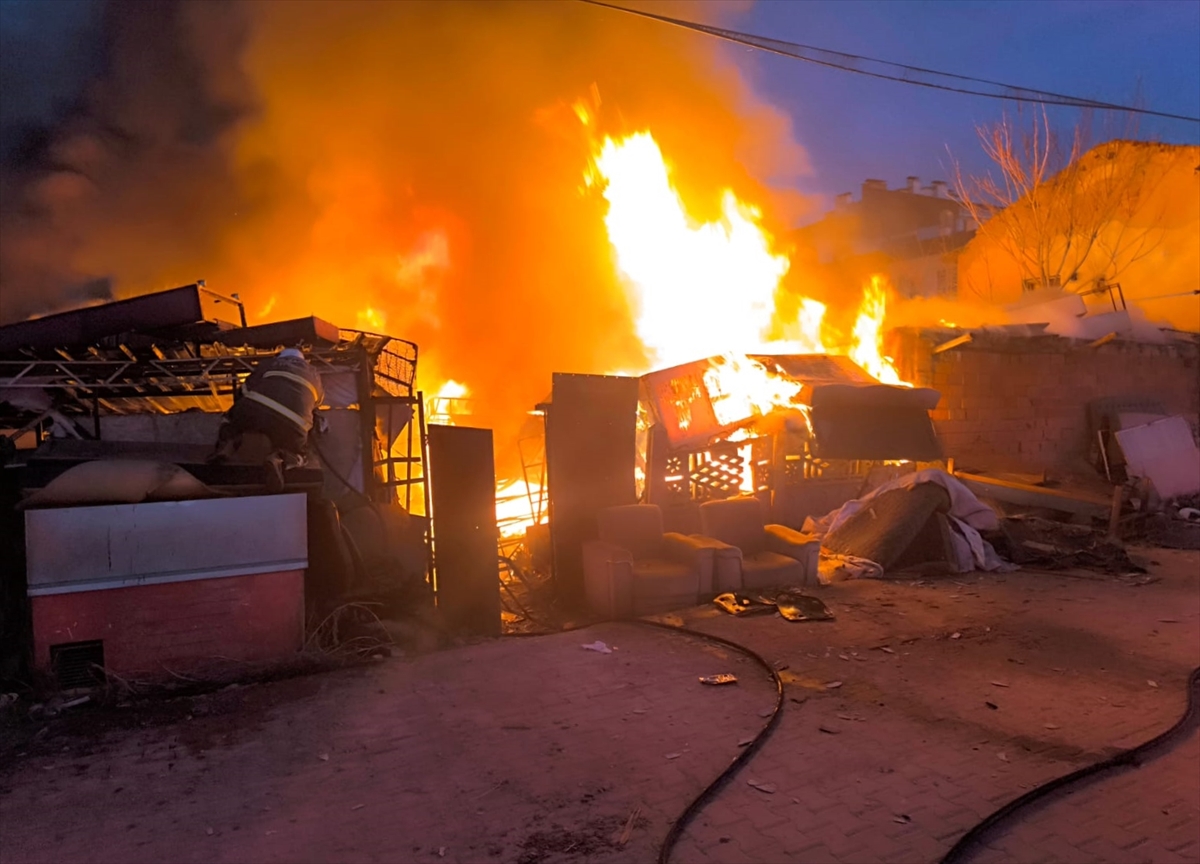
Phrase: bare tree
(1060, 207)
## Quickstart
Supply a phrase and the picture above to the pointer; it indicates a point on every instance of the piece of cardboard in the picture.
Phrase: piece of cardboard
(1165, 453)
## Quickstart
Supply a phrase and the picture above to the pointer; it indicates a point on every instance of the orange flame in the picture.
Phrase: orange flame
(867, 349)
(696, 289)
(519, 506)
(740, 388)
(448, 402)
(702, 289)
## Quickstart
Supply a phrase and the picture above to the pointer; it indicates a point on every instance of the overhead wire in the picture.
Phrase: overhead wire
(902, 73)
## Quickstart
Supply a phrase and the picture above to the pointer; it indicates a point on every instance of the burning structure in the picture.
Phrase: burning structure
(624, 247)
(135, 547)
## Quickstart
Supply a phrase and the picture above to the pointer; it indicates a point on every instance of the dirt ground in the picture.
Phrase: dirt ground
(925, 705)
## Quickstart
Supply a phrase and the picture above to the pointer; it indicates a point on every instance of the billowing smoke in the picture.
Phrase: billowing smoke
(124, 182)
(416, 168)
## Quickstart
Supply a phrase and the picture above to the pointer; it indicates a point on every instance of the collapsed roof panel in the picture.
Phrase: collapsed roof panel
(681, 402)
(193, 308)
(854, 416)
(816, 369)
(176, 350)
(311, 331)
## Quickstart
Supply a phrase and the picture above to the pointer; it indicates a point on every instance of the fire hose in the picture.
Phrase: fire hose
(961, 850)
(747, 753)
(760, 738)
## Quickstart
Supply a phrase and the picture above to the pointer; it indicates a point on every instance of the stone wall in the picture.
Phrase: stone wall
(1020, 403)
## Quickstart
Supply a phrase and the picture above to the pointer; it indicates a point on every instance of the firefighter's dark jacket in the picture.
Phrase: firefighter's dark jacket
(290, 387)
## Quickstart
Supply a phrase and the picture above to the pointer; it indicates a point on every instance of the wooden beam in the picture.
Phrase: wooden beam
(1079, 503)
(953, 343)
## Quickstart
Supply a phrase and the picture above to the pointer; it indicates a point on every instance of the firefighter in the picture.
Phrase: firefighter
(278, 401)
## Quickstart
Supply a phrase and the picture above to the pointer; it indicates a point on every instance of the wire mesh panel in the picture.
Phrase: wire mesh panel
(717, 472)
(762, 460)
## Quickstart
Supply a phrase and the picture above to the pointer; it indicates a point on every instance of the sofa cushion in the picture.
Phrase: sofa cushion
(636, 527)
(739, 522)
(770, 570)
(727, 565)
(660, 585)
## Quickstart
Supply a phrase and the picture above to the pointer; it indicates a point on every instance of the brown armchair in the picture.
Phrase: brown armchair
(770, 555)
(637, 569)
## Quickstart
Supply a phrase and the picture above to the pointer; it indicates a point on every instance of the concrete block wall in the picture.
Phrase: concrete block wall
(1020, 404)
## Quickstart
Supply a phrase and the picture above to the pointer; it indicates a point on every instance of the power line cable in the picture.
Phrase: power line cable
(902, 73)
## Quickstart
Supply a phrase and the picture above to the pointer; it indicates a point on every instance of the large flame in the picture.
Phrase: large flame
(696, 289)
(867, 349)
(699, 289)
(740, 388)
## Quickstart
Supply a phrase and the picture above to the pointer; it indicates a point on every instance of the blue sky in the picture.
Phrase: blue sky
(855, 127)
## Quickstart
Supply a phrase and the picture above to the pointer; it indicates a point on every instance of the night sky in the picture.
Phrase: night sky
(855, 127)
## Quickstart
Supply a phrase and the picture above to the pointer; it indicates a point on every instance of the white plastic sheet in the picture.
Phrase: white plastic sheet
(968, 516)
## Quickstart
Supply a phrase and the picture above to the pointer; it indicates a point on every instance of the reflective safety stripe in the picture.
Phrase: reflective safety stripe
(299, 379)
(275, 406)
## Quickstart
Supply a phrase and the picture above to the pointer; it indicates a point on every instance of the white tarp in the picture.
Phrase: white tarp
(968, 516)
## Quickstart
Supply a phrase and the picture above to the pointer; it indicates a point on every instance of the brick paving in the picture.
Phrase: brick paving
(1151, 813)
(513, 750)
(532, 750)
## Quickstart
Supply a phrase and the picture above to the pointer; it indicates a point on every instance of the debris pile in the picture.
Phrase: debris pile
(926, 517)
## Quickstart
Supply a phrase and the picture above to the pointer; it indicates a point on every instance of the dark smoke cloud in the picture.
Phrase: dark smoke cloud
(48, 53)
(415, 165)
(116, 152)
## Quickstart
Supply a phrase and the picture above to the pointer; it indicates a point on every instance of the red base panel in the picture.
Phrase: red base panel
(153, 630)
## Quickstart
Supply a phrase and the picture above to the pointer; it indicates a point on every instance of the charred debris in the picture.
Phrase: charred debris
(187, 497)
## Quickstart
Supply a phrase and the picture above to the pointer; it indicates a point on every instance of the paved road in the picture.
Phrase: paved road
(536, 750)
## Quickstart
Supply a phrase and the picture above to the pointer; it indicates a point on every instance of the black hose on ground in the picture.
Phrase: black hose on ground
(689, 813)
(961, 851)
(747, 753)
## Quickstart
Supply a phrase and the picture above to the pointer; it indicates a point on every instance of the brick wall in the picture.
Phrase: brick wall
(1020, 404)
(180, 626)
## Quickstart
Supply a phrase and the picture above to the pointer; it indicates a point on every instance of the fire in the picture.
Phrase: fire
(867, 348)
(371, 320)
(804, 334)
(700, 289)
(740, 388)
(519, 505)
(447, 403)
(695, 288)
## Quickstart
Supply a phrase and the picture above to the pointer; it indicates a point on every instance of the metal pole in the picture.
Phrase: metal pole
(366, 412)
(408, 468)
(431, 557)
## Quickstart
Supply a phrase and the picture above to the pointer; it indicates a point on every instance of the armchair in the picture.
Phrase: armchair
(637, 569)
(771, 555)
